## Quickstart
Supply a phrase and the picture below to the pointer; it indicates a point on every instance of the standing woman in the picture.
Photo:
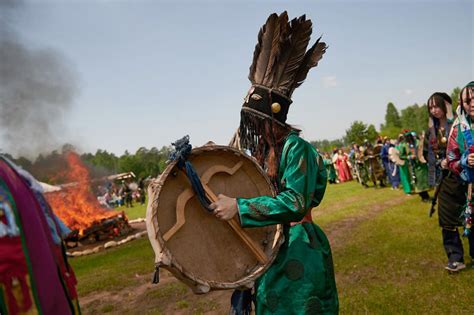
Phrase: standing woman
(461, 163)
(301, 279)
(343, 166)
(451, 190)
(391, 168)
(332, 177)
(414, 171)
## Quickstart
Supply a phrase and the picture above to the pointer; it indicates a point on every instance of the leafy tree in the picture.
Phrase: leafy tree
(415, 118)
(372, 133)
(423, 117)
(393, 123)
(455, 97)
(357, 132)
(392, 118)
(390, 132)
(327, 145)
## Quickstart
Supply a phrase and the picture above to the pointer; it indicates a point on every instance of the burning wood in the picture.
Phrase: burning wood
(79, 209)
(109, 228)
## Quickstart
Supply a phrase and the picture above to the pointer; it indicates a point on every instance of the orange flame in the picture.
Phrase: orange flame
(76, 205)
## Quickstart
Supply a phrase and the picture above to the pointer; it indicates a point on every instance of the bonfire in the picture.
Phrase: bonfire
(79, 209)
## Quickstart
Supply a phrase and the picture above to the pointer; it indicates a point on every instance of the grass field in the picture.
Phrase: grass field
(135, 212)
(387, 253)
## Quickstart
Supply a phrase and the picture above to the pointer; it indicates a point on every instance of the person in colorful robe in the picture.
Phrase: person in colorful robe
(35, 277)
(352, 153)
(360, 166)
(332, 177)
(460, 161)
(342, 165)
(301, 279)
(450, 187)
(373, 163)
(390, 167)
(414, 171)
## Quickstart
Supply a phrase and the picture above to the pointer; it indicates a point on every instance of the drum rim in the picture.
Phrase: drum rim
(198, 284)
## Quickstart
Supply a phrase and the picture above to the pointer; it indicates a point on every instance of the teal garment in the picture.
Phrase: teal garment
(413, 174)
(301, 279)
(363, 173)
(331, 171)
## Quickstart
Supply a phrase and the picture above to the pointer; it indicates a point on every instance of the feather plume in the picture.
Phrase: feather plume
(266, 43)
(310, 60)
(280, 60)
(300, 30)
(274, 51)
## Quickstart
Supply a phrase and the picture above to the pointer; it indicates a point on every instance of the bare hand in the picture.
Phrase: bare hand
(225, 208)
(444, 164)
(470, 159)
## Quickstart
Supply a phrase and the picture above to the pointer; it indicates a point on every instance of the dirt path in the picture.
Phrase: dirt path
(172, 297)
(337, 232)
(168, 297)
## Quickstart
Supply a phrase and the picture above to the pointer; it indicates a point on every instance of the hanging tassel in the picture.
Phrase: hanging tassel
(241, 302)
(156, 275)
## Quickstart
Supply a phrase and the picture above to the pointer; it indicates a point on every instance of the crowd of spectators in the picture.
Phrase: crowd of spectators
(125, 193)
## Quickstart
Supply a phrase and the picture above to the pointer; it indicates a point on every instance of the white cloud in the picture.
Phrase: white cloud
(329, 82)
(408, 92)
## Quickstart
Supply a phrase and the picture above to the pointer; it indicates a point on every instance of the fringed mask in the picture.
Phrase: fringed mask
(280, 65)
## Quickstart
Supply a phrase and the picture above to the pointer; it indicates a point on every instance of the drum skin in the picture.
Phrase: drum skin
(200, 250)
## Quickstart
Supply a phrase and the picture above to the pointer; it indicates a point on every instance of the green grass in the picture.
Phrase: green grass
(390, 261)
(137, 211)
(168, 290)
(107, 308)
(393, 264)
(114, 268)
(349, 199)
(182, 304)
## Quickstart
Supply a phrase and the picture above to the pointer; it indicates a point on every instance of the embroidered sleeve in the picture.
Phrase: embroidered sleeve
(453, 154)
(301, 167)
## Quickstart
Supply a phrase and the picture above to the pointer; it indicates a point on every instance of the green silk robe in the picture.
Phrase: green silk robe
(331, 171)
(413, 174)
(301, 279)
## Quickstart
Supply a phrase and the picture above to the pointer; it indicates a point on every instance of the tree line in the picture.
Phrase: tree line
(414, 117)
(151, 162)
(50, 167)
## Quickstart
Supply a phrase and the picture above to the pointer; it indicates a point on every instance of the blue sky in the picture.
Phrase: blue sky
(150, 72)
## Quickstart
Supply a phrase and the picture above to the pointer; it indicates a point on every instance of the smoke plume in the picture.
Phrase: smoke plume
(37, 88)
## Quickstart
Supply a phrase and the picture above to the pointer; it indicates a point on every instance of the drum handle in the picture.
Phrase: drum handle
(205, 194)
(235, 225)
(180, 155)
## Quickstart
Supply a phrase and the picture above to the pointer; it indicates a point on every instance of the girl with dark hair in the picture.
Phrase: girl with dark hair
(460, 161)
(451, 190)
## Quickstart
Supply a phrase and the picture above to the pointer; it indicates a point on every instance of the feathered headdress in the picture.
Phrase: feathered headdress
(280, 64)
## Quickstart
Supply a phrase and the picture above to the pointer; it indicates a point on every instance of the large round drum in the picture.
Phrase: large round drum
(200, 250)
